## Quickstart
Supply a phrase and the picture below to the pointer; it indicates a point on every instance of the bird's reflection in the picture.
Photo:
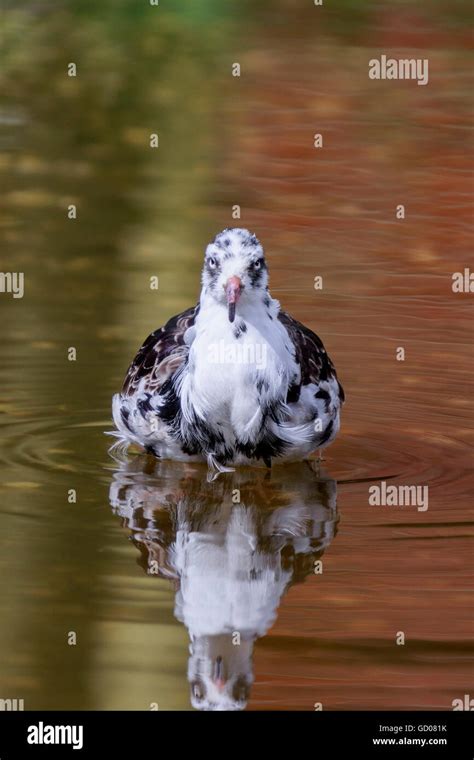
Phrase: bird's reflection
(232, 548)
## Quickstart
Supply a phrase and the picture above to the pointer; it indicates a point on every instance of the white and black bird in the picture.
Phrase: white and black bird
(233, 380)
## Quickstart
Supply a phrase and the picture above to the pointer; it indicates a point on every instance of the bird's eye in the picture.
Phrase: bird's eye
(212, 262)
(240, 690)
(198, 691)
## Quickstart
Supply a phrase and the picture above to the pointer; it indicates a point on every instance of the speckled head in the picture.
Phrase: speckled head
(234, 268)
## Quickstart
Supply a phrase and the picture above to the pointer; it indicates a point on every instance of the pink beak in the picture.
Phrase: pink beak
(233, 289)
(218, 679)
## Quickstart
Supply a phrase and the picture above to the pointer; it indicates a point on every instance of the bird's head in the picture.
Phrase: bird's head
(220, 672)
(235, 270)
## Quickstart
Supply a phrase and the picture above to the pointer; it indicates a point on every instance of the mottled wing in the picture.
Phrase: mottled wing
(162, 353)
(310, 354)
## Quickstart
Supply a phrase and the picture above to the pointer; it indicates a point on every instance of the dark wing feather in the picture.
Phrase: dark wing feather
(162, 353)
(310, 354)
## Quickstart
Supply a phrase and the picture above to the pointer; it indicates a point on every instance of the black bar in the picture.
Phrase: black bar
(355, 734)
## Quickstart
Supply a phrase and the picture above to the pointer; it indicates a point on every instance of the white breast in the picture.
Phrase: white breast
(226, 584)
(230, 380)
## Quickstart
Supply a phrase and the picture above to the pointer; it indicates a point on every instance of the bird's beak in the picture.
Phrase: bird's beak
(218, 674)
(233, 288)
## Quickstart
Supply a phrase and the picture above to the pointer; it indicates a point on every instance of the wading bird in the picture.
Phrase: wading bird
(233, 380)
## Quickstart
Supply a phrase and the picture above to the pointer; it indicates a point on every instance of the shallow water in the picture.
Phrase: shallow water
(106, 567)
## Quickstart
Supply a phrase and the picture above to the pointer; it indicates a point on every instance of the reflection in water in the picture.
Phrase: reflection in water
(233, 547)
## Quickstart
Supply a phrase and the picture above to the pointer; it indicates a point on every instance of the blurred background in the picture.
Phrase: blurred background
(143, 212)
